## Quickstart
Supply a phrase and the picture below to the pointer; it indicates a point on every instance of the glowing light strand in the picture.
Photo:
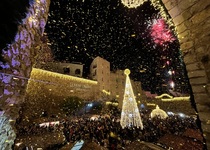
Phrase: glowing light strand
(132, 3)
(164, 14)
(157, 112)
(40, 71)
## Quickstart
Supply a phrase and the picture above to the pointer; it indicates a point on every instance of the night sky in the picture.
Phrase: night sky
(138, 39)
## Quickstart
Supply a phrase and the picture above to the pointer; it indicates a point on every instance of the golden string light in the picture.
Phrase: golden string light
(163, 12)
(132, 3)
(157, 5)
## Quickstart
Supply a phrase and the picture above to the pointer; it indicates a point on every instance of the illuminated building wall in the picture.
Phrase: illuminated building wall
(110, 85)
(59, 85)
(48, 91)
(100, 71)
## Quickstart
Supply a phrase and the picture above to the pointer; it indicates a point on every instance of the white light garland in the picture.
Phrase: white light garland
(132, 3)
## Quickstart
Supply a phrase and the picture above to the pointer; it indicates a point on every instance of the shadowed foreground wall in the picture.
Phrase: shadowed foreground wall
(192, 21)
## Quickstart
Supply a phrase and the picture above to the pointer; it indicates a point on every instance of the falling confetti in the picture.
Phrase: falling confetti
(80, 30)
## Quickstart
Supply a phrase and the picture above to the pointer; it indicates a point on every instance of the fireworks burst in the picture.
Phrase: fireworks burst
(160, 32)
(79, 31)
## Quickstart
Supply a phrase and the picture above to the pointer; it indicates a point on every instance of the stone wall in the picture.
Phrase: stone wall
(19, 58)
(192, 21)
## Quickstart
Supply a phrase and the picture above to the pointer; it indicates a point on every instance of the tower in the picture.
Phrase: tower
(130, 116)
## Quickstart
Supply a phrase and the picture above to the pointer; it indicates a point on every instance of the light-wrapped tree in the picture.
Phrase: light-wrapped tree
(130, 116)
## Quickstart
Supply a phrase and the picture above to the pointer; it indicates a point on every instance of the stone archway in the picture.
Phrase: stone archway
(192, 21)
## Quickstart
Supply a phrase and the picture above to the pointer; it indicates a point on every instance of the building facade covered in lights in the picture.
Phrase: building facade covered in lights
(51, 84)
(104, 84)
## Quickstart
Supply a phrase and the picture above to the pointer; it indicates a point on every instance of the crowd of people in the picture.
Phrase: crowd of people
(107, 131)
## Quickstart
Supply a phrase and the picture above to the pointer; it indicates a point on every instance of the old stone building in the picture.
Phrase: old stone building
(100, 71)
(111, 83)
(191, 18)
(73, 69)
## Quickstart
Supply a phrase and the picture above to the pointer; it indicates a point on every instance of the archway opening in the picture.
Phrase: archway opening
(138, 39)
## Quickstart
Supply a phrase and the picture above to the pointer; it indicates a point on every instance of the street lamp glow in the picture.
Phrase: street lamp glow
(90, 105)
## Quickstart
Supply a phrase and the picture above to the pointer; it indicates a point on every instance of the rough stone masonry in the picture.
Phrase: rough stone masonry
(20, 57)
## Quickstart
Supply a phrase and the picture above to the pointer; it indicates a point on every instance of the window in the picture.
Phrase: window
(94, 74)
(77, 72)
(94, 66)
(66, 70)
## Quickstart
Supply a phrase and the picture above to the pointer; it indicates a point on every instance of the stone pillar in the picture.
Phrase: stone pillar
(20, 57)
(192, 21)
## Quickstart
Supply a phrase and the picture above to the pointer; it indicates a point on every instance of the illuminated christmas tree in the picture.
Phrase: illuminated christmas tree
(130, 116)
